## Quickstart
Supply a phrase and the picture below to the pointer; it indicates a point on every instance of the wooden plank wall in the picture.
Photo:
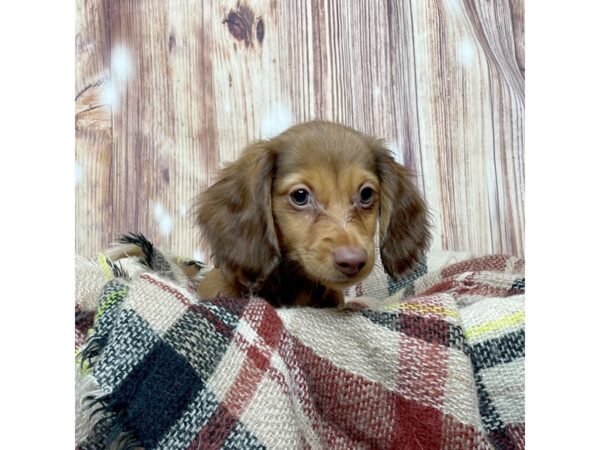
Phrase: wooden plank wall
(166, 90)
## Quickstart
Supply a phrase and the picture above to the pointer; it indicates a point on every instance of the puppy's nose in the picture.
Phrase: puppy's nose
(349, 260)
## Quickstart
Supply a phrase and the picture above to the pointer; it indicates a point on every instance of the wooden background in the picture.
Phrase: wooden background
(166, 90)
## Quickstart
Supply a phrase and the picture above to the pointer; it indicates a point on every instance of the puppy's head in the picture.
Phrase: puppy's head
(314, 195)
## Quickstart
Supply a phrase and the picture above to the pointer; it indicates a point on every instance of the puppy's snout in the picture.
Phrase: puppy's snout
(349, 260)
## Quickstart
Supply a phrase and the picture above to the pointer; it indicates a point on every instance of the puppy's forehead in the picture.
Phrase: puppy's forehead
(332, 165)
(323, 150)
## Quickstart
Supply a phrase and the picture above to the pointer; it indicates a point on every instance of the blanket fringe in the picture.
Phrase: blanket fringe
(91, 350)
(87, 406)
(93, 409)
(135, 246)
(125, 441)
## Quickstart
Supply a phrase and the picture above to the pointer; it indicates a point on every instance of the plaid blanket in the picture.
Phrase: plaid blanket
(434, 361)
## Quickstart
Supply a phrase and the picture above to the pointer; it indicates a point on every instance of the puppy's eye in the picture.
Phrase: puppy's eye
(300, 197)
(366, 196)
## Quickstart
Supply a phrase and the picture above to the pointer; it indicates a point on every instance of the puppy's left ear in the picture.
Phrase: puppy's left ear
(404, 225)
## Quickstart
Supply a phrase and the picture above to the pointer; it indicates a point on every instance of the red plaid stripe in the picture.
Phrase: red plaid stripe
(268, 328)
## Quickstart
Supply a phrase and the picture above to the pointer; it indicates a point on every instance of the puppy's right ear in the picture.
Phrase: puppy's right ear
(235, 217)
(404, 223)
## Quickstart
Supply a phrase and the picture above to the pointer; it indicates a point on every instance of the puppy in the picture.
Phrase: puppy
(293, 220)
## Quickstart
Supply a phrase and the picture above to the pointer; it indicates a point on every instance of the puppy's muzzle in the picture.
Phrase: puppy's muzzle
(349, 260)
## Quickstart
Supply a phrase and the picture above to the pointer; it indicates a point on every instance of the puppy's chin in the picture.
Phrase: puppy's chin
(333, 279)
(340, 285)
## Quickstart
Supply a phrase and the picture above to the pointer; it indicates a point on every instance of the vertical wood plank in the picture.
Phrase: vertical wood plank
(93, 128)
(195, 152)
(246, 74)
(92, 43)
(164, 140)
(455, 123)
(143, 123)
(517, 11)
(493, 24)
(403, 89)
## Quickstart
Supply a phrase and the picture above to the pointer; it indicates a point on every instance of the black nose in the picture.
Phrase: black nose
(349, 260)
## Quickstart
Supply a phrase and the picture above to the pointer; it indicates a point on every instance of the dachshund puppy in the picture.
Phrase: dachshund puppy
(293, 220)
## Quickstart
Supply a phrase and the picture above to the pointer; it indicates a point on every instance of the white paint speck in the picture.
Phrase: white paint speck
(183, 211)
(465, 52)
(159, 211)
(121, 68)
(165, 225)
(78, 173)
(120, 63)
(277, 120)
(198, 255)
(226, 108)
(165, 222)
(376, 91)
(109, 95)
(455, 6)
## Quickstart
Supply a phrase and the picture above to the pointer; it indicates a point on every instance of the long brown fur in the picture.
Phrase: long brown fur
(264, 244)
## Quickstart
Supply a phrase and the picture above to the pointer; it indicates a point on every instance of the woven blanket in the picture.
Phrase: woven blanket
(434, 361)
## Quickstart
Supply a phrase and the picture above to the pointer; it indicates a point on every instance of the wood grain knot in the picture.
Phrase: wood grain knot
(260, 30)
(240, 23)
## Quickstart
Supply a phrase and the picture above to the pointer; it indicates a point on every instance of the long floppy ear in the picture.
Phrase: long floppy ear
(404, 226)
(235, 217)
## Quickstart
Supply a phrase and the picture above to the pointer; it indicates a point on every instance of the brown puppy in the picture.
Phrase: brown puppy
(293, 220)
